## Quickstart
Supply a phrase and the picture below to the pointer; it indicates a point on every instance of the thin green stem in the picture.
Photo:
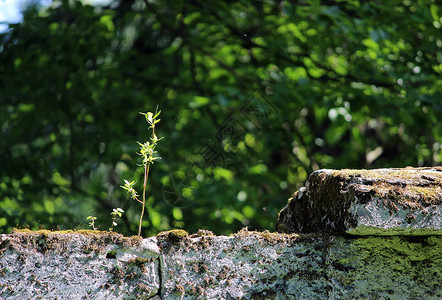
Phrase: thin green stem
(146, 174)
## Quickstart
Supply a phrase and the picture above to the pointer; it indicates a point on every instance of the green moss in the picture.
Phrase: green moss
(45, 232)
(139, 262)
(376, 231)
(44, 240)
(179, 233)
(111, 254)
(400, 264)
(175, 236)
(414, 189)
(267, 236)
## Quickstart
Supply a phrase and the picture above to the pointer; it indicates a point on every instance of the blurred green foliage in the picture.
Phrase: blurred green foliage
(331, 84)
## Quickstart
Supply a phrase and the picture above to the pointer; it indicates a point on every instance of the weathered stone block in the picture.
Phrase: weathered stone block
(92, 265)
(380, 201)
(263, 265)
(247, 265)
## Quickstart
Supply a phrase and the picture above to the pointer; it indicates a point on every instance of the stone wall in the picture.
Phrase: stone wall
(389, 201)
(331, 259)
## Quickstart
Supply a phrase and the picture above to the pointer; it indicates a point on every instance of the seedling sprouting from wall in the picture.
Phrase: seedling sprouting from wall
(148, 153)
(116, 212)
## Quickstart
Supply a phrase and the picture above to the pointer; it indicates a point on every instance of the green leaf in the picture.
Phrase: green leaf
(198, 101)
(434, 9)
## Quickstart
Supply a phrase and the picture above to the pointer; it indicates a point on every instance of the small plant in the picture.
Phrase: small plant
(148, 153)
(92, 223)
(117, 212)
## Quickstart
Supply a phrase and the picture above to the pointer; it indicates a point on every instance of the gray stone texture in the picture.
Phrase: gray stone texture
(97, 265)
(246, 265)
(379, 201)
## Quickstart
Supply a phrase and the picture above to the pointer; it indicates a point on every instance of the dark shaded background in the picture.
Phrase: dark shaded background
(255, 95)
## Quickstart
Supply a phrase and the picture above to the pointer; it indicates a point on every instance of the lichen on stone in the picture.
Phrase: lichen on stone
(266, 236)
(60, 240)
(174, 235)
(342, 200)
(81, 264)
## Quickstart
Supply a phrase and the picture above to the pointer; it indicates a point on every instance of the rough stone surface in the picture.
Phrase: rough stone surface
(247, 265)
(380, 201)
(97, 265)
(256, 265)
(243, 266)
